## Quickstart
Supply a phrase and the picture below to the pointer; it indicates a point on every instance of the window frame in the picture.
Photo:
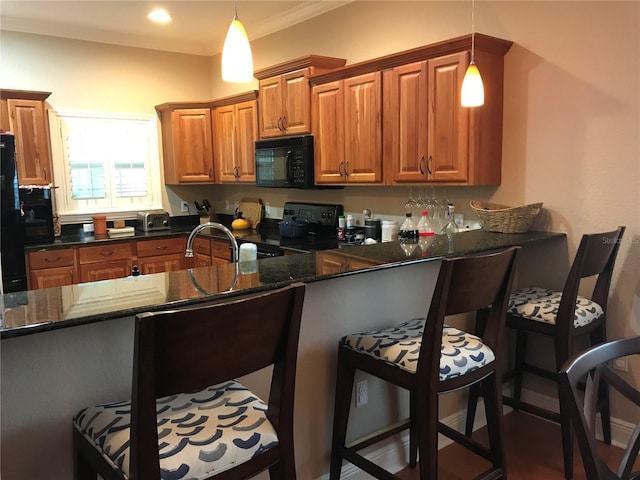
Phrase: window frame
(61, 174)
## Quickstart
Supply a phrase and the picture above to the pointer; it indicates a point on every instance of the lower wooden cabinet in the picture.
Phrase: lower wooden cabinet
(161, 255)
(106, 261)
(328, 263)
(220, 252)
(51, 268)
(201, 253)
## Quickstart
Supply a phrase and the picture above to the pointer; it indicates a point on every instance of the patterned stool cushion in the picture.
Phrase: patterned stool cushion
(460, 352)
(542, 305)
(199, 434)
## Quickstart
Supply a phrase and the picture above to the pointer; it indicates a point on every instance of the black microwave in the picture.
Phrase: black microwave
(285, 162)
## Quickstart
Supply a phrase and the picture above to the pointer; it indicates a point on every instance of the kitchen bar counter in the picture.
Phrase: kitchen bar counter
(31, 312)
(65, 348)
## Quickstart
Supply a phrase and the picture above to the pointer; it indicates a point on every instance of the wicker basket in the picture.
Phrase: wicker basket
(499, 218)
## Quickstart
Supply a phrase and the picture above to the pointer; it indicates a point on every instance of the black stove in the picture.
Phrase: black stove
(321, 217)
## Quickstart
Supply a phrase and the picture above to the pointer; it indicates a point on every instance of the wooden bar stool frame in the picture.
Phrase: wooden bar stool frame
(465, 284)
(594, 364)
(596, 256)
(190, 349)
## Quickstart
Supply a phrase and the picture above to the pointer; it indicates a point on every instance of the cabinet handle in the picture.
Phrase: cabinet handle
(52, 259)
(280, 124)
(284, 123)
(340, 165)
(236, 172)
(210, 172)
(429, 165)
(107, 254)
(44, 173)
(420, 165)
(346, 168)
(161, 247)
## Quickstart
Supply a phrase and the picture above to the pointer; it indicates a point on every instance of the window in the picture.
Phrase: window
(105, 163)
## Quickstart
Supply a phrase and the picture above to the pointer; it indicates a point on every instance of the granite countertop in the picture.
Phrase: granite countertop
(42, 310)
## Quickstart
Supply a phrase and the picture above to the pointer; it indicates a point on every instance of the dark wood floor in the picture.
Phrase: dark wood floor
(533, 451)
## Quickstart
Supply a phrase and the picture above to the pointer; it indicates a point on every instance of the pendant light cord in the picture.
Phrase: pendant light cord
(473, 31)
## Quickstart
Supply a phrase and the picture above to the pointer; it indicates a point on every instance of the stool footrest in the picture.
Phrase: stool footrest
(532, 409)
(465, 441)
(378, 435)
(368, 466)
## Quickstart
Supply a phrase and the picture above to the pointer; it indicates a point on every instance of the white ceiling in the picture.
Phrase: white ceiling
(197, 27)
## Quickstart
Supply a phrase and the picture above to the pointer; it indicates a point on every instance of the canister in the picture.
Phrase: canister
(389, 230)
(99, 224)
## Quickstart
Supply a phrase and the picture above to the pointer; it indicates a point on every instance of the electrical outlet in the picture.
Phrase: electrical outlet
(620, 364)
(362, 393)
(184, 207)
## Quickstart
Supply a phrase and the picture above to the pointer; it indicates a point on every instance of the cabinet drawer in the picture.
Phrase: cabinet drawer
(63, 257)
(106, 252)
(162, 246)
(220, 249)
(202, 246)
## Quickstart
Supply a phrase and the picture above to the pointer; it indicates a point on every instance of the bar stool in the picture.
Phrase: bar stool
(428, 358)
(593, 365)
(562, 316)
(188, 417)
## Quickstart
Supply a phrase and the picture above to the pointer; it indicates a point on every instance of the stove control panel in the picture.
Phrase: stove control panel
(321, 214)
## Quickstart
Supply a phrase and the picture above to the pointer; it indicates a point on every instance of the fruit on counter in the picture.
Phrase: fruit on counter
(240, 223)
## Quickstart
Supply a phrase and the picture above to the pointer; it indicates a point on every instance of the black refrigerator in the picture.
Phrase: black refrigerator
(14, 277)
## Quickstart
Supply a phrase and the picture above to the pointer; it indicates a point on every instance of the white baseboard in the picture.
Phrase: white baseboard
(392, 455)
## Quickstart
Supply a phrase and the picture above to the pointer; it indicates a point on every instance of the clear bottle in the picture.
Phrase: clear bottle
(408, 229)
(425, 229)
(450, 227)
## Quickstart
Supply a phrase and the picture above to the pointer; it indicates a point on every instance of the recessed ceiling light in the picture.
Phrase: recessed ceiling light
(159, 16)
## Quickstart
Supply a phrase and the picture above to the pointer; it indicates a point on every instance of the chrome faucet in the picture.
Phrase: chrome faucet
(218, 226)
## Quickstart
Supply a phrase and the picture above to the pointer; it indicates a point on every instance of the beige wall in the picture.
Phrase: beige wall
(571, 118)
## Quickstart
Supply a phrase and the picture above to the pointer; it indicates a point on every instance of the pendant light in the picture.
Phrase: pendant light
(472, 94)
(237, 61)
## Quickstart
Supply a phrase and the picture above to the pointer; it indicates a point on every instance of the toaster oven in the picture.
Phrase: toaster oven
(152, 221)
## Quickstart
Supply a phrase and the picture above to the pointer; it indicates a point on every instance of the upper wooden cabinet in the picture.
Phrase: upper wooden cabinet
(187, 142)
(23, 113)
(235, 131)
(285, 94)
(427, 130)
(347, 130)
(427, 136)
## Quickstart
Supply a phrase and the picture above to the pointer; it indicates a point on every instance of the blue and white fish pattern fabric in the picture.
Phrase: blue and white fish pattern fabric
(541, 304)
(460, 352)
(199, 434)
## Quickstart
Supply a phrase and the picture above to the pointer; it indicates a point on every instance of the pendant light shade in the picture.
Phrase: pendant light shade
(237, 61)
(472, 88)
(472, 94)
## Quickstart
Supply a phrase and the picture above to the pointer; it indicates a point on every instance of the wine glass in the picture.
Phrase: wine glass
(410, 204)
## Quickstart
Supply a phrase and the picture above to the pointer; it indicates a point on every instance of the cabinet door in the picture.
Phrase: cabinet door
(192, 145)
(51, 277)
(296, 102)
(225, 143)
(448, 120)
(28, 122)
(161, 263)
(363, 128)
(92, 272)
(271, 107)
(406, 117)
(246, 135)
(327, 109)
